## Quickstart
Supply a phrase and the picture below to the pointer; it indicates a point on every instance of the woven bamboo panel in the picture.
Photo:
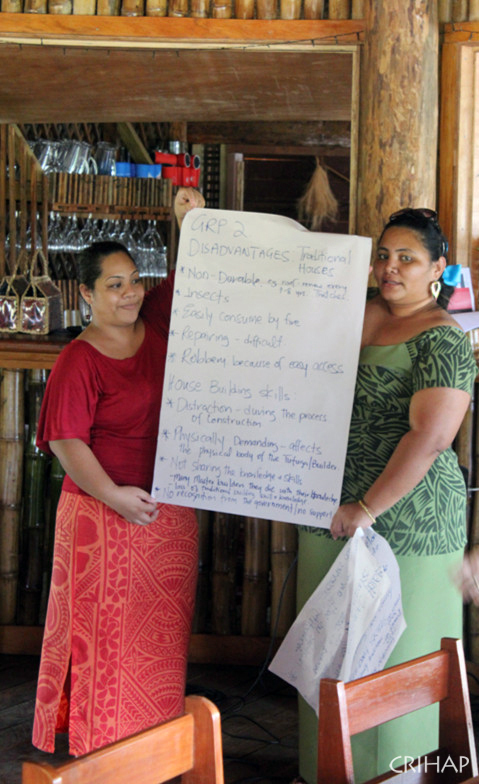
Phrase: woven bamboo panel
(215, 9)
(448, 10)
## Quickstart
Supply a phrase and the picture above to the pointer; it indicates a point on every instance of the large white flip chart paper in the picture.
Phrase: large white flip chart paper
(261, 366)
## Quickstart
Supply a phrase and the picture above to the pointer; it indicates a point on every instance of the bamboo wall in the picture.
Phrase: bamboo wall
(449, 10)
(247, 566)
(216, 9)
(30, 483)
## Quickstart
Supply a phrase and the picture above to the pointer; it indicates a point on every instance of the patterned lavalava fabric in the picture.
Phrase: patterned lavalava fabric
(118, 624)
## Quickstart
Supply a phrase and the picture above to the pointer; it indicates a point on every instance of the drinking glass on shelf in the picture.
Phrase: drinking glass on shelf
(53, 163)
(126, 237)
(151, 257)
(69, 155)
(86, 163)
(73, 241)
(105, 158)
(89, 232)
(55, 232)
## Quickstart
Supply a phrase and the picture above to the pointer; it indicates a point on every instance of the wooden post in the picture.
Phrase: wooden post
(357, 9)
(339, 9)
(399, 110)
(179, 132)
(33, 512)
(290, 9)
(284, 547)
(156, 7)
(223, 573)
(200, 619)
(3, 197)
(12, 202)
(244, 9)
(472, 611)
(459, 10)
(255, 577)
(55, 482)
(445, 10)
(313, 9)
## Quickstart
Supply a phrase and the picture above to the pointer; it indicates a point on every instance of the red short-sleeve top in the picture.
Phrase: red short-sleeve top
(113, 405)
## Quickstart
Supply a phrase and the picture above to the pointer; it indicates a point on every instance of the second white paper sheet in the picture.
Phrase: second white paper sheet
(350, 624)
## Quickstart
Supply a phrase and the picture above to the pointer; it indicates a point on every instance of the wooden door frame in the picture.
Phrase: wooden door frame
(459, 145)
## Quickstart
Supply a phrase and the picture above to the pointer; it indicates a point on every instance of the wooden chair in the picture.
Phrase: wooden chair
(189, 746)
(348, 708)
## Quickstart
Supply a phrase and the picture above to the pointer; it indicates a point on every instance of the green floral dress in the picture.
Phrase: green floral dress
(430, 519)
(426, 528)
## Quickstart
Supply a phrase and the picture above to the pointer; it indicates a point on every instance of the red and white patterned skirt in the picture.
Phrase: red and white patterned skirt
(118, 624)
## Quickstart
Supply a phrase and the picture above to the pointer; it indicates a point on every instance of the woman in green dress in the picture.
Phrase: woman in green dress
(415, 379)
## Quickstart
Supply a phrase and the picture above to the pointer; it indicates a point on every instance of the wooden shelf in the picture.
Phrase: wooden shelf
(112, 211)
(18, 350)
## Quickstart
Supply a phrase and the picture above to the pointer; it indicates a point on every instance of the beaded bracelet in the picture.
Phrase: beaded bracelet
(365, 509)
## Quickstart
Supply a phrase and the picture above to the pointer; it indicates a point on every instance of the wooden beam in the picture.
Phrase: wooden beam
(458, 32)
(41, 84)
(21, 145)
(133, 143)
(141, 32)
(448, 128)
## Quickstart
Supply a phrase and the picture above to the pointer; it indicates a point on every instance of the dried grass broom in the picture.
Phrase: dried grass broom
(318, 202)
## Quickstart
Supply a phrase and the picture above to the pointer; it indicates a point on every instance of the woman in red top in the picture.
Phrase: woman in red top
(124, 574)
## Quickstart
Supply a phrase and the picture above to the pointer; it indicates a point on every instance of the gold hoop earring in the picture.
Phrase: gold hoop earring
(435, 288)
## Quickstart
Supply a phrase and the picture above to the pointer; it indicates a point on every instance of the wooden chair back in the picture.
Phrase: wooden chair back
(348, 708)
(189, 746)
